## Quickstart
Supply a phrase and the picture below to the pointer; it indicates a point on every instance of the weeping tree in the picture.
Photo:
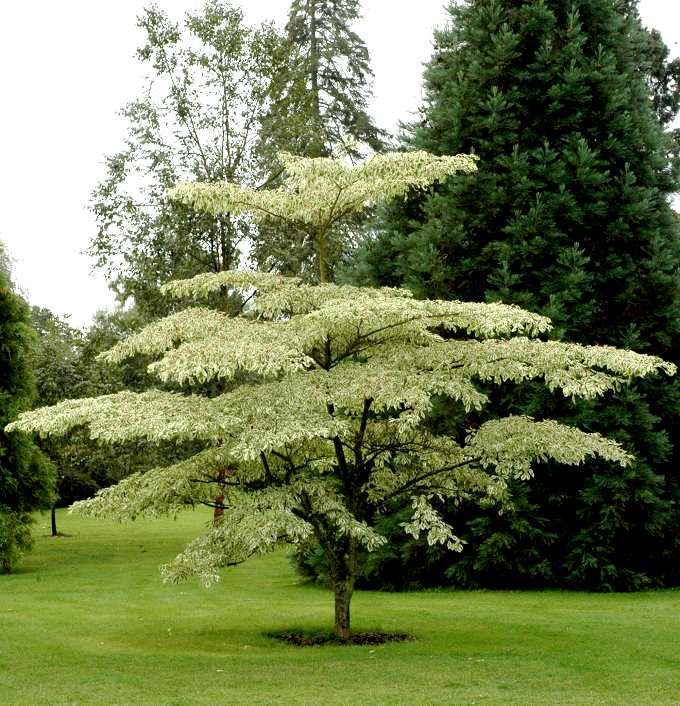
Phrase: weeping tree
(339, 424)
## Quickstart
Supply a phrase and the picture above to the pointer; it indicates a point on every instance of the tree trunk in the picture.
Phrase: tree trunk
(54, 521)
(314, 58)
(344, 588)
(219, 499)
(343, 595)
(219, 510)
(322, 259)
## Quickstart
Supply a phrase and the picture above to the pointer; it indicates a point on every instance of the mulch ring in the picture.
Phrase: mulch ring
(356, 639)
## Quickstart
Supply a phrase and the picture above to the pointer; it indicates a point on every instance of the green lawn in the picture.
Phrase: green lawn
(87, 620)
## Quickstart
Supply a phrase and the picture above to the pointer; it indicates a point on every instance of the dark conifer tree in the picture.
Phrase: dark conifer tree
(565, 102)
(335, 69)
(26, 475)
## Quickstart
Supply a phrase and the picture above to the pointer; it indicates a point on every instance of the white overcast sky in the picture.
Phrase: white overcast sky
(69, 66)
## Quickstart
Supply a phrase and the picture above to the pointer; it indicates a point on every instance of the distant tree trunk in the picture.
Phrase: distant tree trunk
(314, 58)
(225, 264)
(54, 521)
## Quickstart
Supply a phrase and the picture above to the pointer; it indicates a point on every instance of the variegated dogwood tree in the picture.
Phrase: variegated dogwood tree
(332, 422)
(335, 428)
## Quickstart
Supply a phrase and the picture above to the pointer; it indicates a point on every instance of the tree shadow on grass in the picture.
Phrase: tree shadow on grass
(310, 638)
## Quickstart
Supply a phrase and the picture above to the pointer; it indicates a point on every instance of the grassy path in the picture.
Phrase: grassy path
(86, 621)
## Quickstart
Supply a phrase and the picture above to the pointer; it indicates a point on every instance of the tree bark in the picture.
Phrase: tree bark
(314, 58)
(219, 510)
(343, 585)
(343, 595)
(322, 259)
(54, 522)
(219, 499)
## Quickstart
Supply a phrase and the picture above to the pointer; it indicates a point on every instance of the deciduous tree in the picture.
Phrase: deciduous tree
(320, 195)
(200, 118)
(338, 425)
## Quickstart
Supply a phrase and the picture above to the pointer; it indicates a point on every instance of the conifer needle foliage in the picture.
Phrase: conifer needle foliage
(567, 104)
(26, 475)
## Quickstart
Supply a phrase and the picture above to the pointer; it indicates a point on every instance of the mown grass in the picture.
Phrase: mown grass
(86, 620)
